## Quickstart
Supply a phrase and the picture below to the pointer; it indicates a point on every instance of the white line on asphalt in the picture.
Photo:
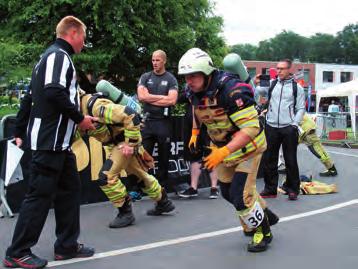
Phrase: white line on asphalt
(335, 152)
(340, 153)
(194, 237)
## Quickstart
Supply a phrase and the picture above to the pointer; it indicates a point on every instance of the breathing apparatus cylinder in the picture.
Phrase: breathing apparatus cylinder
(233, 63)
(117, 95)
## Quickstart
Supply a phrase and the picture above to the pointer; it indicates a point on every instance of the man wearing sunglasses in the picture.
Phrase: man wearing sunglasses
(286, 107)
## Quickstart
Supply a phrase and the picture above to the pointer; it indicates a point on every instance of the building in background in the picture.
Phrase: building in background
(312, 76)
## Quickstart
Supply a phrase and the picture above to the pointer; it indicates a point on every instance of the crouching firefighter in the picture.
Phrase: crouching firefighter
(119, 128)
(226, 106)
(309, 137)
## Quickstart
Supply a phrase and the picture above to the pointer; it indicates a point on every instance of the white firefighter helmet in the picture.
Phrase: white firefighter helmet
(195, 60)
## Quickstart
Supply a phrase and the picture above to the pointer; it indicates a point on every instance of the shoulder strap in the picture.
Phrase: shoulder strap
(294, 92)
(272, 86)
(92, 100)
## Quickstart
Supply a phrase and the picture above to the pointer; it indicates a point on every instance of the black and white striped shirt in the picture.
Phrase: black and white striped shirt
(55, 100)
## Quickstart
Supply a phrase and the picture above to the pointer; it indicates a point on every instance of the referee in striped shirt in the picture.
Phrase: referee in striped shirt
(53, 106)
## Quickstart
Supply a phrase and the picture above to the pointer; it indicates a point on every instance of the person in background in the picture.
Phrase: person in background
(309, 137)
(195, 146)
(286, 107)
(52, 112)
(158, 91)
(333, 108)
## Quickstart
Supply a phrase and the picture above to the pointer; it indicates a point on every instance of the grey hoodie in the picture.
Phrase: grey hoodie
(280, 111)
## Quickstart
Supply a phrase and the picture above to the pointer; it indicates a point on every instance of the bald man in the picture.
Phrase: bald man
(158, 91)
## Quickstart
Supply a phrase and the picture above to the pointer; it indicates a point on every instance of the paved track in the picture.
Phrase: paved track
(314, 232)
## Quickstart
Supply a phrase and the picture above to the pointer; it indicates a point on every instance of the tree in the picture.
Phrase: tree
(348, 42)
(246, 51)
(286, 44)
(15, 59)
(122, 34)
(323, 48)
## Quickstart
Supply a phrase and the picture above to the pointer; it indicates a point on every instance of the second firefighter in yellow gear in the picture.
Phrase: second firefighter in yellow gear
(119, 127)
(312, 141)
(226, 106)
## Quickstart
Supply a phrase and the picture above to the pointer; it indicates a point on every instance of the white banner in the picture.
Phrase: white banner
(13, 172)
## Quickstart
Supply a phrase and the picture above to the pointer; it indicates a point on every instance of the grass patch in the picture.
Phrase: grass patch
(7, 110)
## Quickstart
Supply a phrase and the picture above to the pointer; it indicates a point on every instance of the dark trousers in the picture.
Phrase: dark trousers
(233, 192)
(54, 179)
(158, 130)
(288, 138)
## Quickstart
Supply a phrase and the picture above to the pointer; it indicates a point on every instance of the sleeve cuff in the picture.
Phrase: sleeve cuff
(78, 118)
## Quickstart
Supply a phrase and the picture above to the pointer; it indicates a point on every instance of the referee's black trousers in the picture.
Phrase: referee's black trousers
(54, 180)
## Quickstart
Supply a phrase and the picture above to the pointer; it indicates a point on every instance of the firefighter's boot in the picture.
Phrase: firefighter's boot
(125, 215)
(261, 238)
(331, 172)
(164, 205)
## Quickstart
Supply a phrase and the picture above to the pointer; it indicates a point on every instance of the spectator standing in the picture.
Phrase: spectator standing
(52, 121)
(333, 108)
(158, 91)
(195, 145)
(286, 107)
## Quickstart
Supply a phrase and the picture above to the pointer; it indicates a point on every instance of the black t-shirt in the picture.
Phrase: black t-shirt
(157, 85)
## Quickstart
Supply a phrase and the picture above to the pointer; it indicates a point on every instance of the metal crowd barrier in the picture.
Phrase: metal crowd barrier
(5, 209)
(335, 127)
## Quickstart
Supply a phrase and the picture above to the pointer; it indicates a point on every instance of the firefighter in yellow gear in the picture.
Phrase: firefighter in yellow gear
(119, 127)
(309, 137)
(226, 106)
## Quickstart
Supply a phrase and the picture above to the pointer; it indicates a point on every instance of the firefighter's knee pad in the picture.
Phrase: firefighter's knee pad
(154, 190)
(102, 176)
(252, 216)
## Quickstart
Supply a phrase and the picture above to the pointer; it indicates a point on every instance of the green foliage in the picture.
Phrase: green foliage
(179, 110)
(246, 51)
(8, 100)
(8, 105)
(17, 60)
(348, 43)
(8, 110)
(286, 44)
(122, 34)
(323, 48)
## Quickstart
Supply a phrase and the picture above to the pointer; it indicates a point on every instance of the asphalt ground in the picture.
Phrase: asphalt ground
(316, 231)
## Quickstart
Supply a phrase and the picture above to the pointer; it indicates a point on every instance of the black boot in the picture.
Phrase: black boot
(125, 215)
(331, 172)
(262, 237)
(272, 217)
(164, 205)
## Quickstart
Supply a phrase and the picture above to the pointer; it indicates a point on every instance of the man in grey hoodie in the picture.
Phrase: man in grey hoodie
(286, 107)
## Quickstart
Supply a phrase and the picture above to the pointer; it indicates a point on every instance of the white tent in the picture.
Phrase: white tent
(347, 89)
